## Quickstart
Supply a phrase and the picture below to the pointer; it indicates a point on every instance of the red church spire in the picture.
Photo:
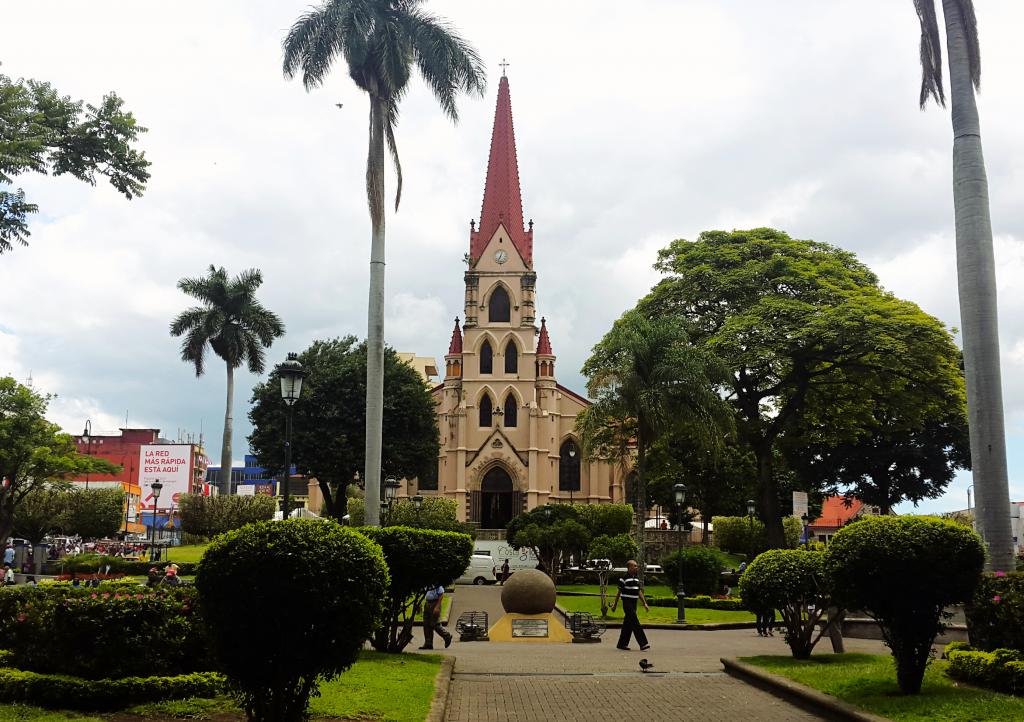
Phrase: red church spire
(544, 344)
(503, 202)
(455, 347)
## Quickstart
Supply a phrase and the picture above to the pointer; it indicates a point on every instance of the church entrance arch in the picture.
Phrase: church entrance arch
(497, 497)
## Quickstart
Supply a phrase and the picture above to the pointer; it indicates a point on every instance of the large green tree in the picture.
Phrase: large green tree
(42, 131)
(34, 453)
(93, 514)
(381, 42)
(799, 324)
(975, 263)
(329, 423)
(235, 325)
(209, 516)
(644, 374)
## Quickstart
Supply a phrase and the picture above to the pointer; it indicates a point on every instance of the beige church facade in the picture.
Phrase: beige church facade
(507, 427)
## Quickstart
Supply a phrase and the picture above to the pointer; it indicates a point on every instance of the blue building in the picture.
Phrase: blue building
(251, 473)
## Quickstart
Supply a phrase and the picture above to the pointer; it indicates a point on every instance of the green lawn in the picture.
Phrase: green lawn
(651, 590)
(869, 681)
(189, 553)
(657, 615)
(365, 692)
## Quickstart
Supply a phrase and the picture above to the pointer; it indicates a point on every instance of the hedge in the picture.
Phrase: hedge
(995, 614)
(92, 563)
(98, 633)
(701, 601)
(733, 534)
(58, 691)
(1001, 670)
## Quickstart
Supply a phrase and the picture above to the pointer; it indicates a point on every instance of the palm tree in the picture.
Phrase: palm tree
(975, 263)
(235, 325)
(645, 375)
(381, 41)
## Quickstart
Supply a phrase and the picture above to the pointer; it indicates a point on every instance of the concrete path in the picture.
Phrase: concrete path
(499, 682)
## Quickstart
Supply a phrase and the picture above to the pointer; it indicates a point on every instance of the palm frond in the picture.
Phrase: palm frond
(314, 41)
(390, 119)
(254, 354)
(931, 53)
(188, 320)
(446, 61)
(969, 23)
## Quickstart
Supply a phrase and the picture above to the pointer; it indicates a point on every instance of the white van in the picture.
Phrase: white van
(480, 570)
(500, 551)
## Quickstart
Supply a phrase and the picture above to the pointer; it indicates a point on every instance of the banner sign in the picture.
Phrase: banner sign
(171, 465)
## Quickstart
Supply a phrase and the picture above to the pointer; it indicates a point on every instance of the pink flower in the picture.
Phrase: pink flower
(22, 617)
(1000, 574)
(92, 596)
(997, 598)
(106, 595)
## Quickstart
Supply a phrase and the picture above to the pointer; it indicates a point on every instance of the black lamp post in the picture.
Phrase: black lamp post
(156, 488)
(291, 373)
(417, 502)
(679, 498)
(390, 493)
(87, 438)
(751, 507)
(804, 519)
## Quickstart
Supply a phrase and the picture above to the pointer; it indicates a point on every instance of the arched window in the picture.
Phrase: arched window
(486, 411)
(511, 358)
(511, 410)
(486, 358)
(569, 467)
(498, 307)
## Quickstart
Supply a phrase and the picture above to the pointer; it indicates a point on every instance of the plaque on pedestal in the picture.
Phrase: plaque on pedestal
(529, 627)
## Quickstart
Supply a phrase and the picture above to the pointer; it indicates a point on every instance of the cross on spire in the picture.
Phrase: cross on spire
(503, 64)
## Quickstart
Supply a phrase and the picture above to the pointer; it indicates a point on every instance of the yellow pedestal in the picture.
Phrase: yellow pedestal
(502, 629)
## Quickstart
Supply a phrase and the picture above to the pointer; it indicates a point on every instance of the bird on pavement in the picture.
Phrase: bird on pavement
(645, 665)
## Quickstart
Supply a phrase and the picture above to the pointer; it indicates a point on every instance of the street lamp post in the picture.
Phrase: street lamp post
(156, 488)
(292, 374)
(679, 494)
(87, 438)
(390, 494)
(751, 506)
(804, 519)
(417, 502)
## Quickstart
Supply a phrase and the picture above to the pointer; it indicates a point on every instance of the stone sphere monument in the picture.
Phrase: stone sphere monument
(528, 591)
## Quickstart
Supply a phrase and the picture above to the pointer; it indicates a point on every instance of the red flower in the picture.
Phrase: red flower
(22, 617)
(92, 596)
(997, 598)
(1000, 574)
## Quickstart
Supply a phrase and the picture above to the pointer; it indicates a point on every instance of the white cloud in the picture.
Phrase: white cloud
(635, 125)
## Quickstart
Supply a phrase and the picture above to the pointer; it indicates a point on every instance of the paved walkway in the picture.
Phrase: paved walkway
(520, 682)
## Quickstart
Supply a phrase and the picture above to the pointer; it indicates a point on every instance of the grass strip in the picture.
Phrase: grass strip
(869, 681)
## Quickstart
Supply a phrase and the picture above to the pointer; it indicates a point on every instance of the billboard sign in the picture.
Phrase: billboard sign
(245, 490)
(799, 504)
(171, 465)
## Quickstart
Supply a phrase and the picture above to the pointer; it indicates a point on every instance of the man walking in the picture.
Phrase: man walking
(630, 592)
(432, 618)
(505, 572)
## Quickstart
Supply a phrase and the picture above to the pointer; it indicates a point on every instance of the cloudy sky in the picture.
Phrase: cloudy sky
(636, 123)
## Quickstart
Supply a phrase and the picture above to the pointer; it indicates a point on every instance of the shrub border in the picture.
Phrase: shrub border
(60, 691)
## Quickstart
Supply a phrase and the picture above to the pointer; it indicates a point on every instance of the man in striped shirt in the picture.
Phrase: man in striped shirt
(630, 592)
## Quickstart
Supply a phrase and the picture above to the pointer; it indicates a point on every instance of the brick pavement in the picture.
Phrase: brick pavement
(499, 682)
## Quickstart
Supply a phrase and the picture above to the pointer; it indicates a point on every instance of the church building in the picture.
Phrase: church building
(507, 427)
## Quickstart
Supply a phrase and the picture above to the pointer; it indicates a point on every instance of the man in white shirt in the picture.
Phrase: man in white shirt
(432, 618)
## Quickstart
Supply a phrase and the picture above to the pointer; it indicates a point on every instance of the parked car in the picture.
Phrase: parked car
(654, 569)
(481, 570)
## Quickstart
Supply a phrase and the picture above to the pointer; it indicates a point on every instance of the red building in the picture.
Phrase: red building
(125, 450)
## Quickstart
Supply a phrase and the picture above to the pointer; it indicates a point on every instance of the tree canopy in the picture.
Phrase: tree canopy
(807, 335)
(34, 453)
(42, 131)
(330, 419)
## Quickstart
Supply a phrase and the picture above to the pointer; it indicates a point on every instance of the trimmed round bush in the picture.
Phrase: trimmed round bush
(288, 603)
(903, 572)
(416, 558)
(702, 569)
(794, 582)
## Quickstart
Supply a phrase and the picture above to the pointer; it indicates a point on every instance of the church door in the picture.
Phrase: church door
(496, 499)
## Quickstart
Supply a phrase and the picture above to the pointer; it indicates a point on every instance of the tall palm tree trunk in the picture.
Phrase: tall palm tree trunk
(641, 505)
(375, 315)
(976, 278)
(225, 444)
